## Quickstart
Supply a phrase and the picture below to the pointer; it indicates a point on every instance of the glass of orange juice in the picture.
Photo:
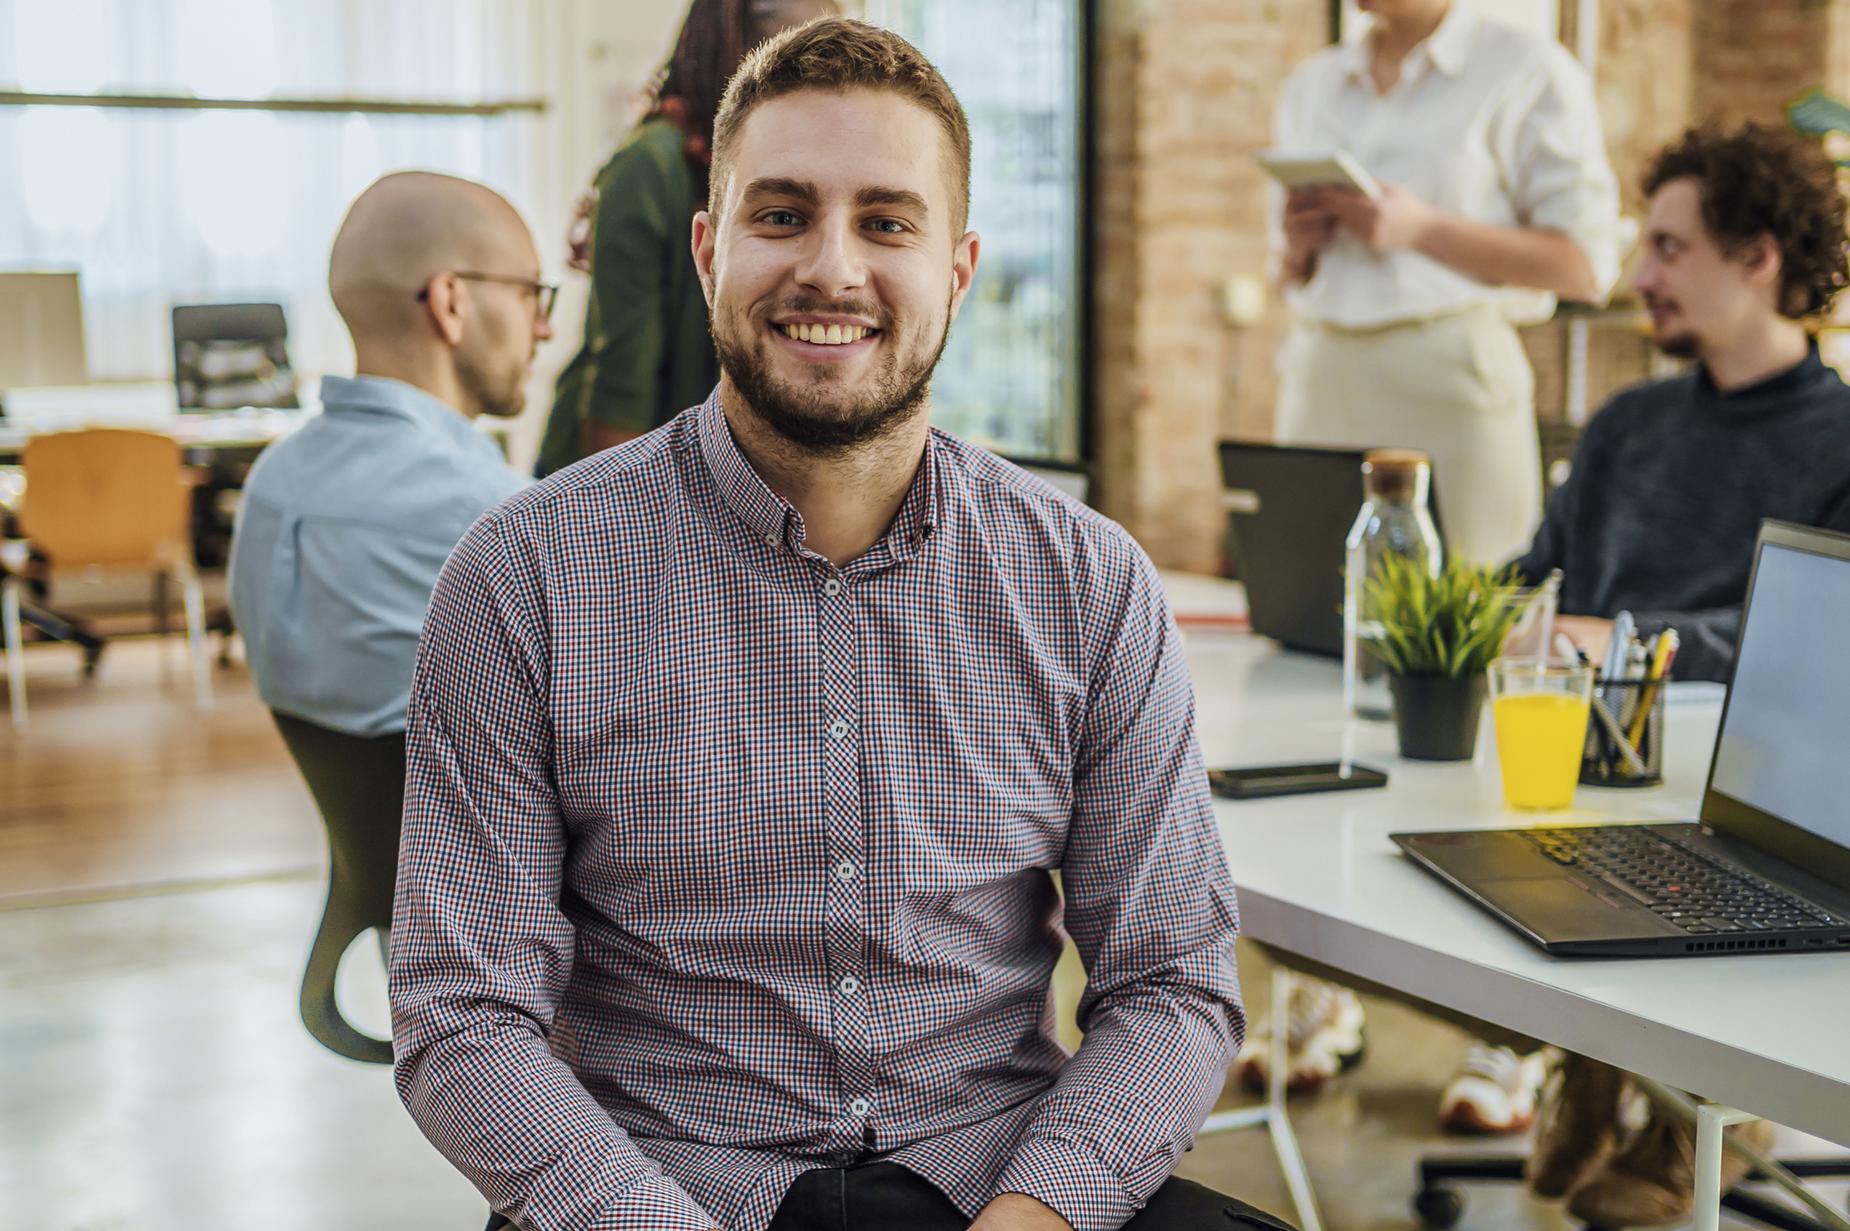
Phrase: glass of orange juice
(1540, 707)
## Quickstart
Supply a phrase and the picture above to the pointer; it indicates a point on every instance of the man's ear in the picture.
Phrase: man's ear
(706, 248)
(963, 268)
(1762, 261)
(443, 302)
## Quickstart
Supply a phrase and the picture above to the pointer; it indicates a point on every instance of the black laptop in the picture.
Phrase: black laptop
(1767, 868)
(1291, 509)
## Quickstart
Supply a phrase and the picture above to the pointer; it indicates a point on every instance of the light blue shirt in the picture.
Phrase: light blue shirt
(342, 529)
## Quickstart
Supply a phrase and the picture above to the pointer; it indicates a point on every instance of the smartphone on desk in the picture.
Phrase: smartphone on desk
(1263, 781)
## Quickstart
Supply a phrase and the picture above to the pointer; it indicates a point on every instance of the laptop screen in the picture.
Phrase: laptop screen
(1781, 745)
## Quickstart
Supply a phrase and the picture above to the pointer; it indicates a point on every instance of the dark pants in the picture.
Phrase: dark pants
(885, 1196)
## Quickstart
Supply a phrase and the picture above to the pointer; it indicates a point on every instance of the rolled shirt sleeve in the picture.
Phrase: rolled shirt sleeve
(1150, 906)
(481, 951)
(1555, 160)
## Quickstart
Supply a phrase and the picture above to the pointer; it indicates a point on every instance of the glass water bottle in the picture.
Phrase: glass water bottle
(1394, 518)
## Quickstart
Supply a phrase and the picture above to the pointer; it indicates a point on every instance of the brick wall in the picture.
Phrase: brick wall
(1184, 99)
(1184, 96)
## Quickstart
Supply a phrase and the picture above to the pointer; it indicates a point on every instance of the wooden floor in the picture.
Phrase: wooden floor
(160, 876)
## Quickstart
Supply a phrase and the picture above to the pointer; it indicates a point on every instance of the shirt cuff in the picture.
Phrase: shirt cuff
(656, 1202)
(1072, 1180)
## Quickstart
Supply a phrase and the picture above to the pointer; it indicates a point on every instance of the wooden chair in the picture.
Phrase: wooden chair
(108, 499)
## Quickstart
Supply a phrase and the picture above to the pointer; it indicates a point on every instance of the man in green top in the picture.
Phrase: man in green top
(647, 354)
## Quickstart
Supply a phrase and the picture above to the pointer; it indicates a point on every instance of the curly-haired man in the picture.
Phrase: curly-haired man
(1744, 243)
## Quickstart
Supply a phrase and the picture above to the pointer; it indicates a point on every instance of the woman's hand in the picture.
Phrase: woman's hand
(1396, 219)
(1309, 226)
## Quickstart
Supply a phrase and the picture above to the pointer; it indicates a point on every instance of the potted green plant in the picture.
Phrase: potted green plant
(1436, 638)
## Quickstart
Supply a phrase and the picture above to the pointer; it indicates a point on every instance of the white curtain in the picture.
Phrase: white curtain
(162, 207)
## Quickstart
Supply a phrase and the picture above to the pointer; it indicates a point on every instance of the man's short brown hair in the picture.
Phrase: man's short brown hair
(836, 53)
(1761, 180)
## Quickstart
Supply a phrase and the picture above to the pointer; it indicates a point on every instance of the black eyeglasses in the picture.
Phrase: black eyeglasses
(545, 294)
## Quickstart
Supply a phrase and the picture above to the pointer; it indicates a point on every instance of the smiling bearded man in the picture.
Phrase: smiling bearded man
(743, 755)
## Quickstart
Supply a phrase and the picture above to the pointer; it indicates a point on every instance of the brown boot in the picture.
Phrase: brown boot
(1578, 1125)
(1652, 1181)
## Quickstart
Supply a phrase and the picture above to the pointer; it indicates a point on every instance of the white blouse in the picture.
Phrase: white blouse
(1488, 122)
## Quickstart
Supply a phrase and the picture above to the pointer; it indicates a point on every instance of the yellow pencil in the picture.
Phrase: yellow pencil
(1666, 649)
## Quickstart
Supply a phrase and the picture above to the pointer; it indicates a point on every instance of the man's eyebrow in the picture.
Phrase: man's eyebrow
(899, 198)
(780, 186)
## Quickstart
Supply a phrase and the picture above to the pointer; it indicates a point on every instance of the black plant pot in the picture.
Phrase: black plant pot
(1436, 716)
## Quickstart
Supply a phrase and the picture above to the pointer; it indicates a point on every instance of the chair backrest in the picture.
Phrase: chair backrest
(359, 786)
(104, 496)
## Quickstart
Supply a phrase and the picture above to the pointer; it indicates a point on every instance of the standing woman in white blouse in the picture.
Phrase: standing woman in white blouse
(1496, 200)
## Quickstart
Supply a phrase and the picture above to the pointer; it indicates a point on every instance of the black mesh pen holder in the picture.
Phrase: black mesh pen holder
(1621, 750)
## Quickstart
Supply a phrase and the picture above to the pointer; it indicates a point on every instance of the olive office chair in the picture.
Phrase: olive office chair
(359, 786)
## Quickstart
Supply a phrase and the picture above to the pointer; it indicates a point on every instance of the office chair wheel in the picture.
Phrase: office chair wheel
(1439, 1208)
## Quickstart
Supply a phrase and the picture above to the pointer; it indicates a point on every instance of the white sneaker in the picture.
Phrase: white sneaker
(1494, 1091)
(1325, 1038)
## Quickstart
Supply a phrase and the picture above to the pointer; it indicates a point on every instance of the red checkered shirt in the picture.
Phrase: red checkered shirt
(721, 863)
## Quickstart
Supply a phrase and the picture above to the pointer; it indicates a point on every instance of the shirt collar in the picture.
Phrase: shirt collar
(764, 512)
(776, 521)
(381, 395)
(1447, 48)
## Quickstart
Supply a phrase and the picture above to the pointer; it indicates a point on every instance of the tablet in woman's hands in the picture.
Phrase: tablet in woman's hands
(1333, 170)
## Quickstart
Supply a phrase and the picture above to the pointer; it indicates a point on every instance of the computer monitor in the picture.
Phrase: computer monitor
(41, 329)
(232, 354)
(1779, 781)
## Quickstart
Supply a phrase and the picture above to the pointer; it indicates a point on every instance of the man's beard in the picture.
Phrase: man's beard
(1684, 345)
(500, 393)
(805, 416)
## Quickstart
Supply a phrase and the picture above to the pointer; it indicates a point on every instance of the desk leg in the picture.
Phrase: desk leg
(1711, 1119)
(15, 661)
(1272, 1112)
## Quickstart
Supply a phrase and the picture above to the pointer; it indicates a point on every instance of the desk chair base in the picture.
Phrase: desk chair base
(1439, 1206)
(18, 608)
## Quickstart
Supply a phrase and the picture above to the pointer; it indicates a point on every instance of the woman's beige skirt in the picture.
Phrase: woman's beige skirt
(1457, 387)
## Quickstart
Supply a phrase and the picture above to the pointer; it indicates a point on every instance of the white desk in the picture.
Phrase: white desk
(1318, 877)
(150, 406)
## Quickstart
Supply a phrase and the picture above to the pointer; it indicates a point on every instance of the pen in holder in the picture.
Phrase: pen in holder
(1625, 734)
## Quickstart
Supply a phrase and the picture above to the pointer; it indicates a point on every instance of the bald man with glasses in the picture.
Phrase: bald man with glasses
(345, 524)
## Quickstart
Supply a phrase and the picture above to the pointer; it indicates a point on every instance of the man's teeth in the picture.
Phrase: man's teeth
(826, 335)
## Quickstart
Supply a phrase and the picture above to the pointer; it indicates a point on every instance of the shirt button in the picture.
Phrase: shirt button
(838, 729)
(860, 1107)
(831, 587)
(849, 985)
(845, 870)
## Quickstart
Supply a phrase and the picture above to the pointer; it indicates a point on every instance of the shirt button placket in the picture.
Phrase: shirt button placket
(847, 896)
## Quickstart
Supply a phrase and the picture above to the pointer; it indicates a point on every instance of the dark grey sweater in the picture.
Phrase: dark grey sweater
(1669, 487)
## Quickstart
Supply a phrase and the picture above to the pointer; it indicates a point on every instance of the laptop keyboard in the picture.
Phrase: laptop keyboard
(1695, 892)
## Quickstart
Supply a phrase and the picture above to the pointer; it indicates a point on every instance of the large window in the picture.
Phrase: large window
(155, 207)
(1011, 377)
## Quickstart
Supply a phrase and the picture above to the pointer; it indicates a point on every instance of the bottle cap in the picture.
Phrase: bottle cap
(1395, 474)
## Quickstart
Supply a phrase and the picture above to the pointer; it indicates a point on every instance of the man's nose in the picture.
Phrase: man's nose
(831, 263)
